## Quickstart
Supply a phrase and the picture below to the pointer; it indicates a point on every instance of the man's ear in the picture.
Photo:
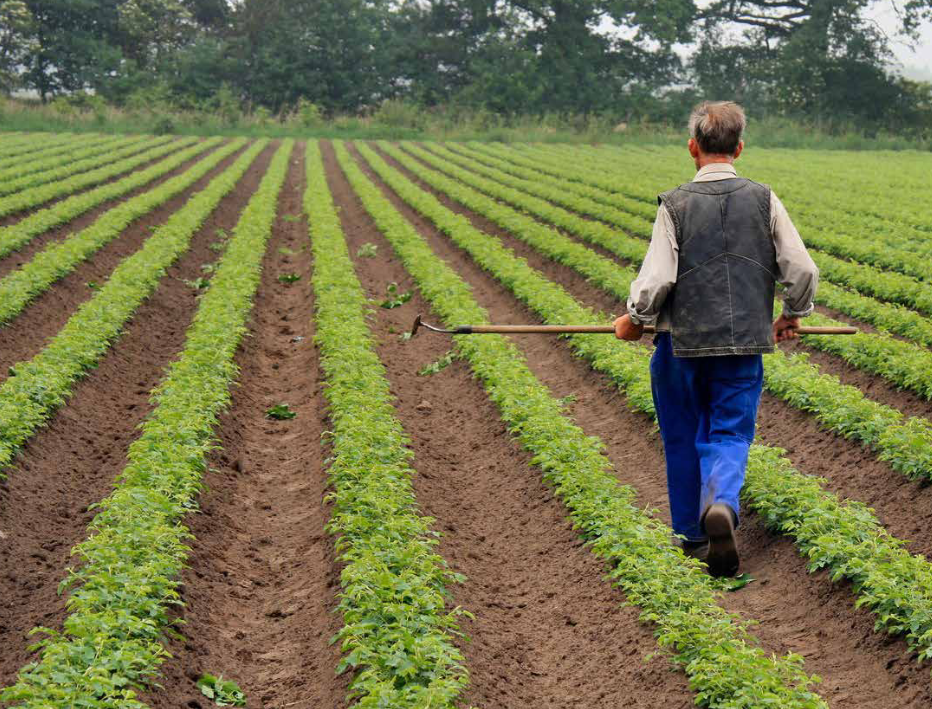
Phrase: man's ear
(740, 148)
(693, 147)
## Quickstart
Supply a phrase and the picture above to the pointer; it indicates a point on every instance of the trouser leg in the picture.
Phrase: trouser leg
(678, 414)
(733, 389)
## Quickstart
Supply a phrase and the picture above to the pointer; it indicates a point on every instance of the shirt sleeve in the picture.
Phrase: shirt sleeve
(658, 271)
(797, 271)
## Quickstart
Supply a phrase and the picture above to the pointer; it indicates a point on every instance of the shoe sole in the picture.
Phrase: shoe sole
(723, 550)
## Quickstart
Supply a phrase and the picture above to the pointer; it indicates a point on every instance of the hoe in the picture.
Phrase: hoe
(574, 329)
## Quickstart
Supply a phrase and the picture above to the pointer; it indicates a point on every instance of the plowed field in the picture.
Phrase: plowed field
(222, 454)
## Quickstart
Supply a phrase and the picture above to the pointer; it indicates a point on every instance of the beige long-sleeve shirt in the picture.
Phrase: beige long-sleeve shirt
(797, 272)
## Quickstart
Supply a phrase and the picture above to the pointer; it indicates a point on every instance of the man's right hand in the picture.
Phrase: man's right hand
(784, 328)
(626, 329)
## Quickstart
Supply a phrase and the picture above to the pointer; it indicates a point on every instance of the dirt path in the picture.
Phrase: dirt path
(73, 461)
(799, 612)
(261, 588)
(852, 471)
(549, 631)
(40, 320)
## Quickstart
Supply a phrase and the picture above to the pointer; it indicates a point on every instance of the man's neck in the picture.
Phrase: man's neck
(704, 160)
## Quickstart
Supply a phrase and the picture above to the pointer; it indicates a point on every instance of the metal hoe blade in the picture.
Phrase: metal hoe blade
(419, 323)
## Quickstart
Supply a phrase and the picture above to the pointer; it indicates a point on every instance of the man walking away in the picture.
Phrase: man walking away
(719, 244)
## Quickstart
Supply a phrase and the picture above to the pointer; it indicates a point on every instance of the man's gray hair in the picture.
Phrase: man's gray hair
(717, 126)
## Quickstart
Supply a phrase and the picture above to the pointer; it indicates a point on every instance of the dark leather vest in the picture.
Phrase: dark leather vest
(722, 303)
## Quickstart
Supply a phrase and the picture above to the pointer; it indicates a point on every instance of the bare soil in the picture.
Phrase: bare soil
(41, 319)
(260, 590)
(73, 461)
(17, 216)
(799, 612)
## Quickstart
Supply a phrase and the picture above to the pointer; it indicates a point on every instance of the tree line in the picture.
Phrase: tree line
(817, 60)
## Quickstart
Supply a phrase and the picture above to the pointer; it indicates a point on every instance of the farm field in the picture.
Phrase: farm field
(223, 455)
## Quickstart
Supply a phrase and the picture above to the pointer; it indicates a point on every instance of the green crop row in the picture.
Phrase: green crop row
(892, 317)
(60, 154)
(905, 364)
(126, 585)
(32, 198)
(27, 143)
(905, 444)
(13, 141)
(827, 228)
(38, 387)
(893, 287)
(74, 164)
(396, 631)
(19, 288)
(843, 537)
(725, 665)
(17, 235)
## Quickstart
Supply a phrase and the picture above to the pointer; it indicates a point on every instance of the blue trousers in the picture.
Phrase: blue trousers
(707, 410)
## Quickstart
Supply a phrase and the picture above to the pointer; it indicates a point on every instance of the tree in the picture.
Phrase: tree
(819, 59)
(17, 41)
(74, 50)
(150, 29)
(327, 51)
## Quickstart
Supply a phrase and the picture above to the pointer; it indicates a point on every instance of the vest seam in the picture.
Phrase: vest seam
(731, 300)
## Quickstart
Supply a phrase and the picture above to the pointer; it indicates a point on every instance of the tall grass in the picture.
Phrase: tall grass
(399, 121)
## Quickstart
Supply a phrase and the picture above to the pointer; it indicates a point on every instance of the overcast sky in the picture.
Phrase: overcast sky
(917, 62)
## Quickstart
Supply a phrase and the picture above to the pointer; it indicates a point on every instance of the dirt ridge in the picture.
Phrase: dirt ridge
(261, 586)
(25, 335)
(798, 612)
(72, 462)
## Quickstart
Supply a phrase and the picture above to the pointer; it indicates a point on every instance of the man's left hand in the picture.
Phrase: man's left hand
(627, 329)
(784, 328)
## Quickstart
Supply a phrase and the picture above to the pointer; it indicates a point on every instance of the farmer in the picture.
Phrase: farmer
(719, 244)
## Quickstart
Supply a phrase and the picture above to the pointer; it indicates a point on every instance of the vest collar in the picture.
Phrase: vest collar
(716, 171)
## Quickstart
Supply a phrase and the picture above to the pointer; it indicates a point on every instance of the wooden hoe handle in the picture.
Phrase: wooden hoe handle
(572, 329)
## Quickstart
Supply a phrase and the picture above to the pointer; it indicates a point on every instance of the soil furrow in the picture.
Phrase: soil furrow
(799, 612)
(261, 586)
(874, 386)
(549, 630)
(17, 216)
(852, 471)
(71, 463)
(40, 320)
(23, 255)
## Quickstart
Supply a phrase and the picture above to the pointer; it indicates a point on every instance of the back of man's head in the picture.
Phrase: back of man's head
(717, 126)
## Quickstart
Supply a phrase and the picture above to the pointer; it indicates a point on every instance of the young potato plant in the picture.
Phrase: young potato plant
(99, 157)
(397, 633)
(32, 198)
(901, 289)
(38, 387)
(724, 663)
(19, 234)
(16, 146)
(857, 548)
(905, 364)
(57, 156)
(126, 584)
(58, 259)
(906, 445)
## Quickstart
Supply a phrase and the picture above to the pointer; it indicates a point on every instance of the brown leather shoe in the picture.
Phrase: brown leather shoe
(719, 524)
